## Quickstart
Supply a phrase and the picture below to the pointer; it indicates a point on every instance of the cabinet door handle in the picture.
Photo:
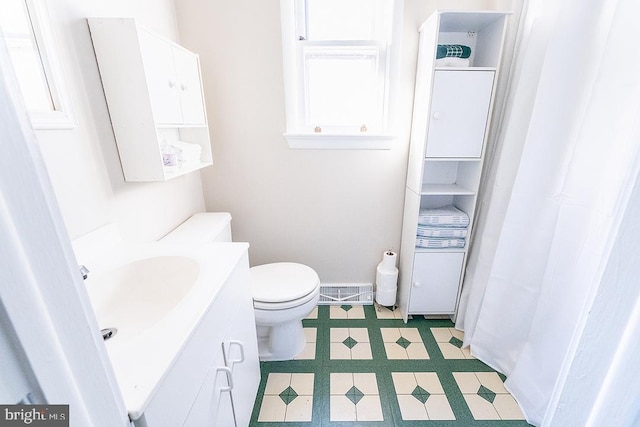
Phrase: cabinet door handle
(417, 284)
(227, 353)
(229, 387)
(437, 115)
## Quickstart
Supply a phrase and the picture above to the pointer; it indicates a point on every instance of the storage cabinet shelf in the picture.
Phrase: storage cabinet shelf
(446, 189)
(451, 116)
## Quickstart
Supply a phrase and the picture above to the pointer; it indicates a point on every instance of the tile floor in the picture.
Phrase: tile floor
(364, 366)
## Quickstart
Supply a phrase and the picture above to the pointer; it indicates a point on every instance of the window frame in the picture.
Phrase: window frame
(61, 116)
(300, 136)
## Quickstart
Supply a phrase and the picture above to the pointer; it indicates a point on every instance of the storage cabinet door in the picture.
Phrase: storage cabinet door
(241, 358)
(436, 278)
(459, 110)
(189, 86)
(162, 80)
(212, 406)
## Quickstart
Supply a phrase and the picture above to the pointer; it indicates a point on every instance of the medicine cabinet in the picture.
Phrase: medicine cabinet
(153, 89)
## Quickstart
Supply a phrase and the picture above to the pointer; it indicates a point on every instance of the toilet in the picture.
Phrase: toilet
(284, 293)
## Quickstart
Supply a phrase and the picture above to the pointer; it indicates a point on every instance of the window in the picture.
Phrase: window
(29, 39)
(338, 57)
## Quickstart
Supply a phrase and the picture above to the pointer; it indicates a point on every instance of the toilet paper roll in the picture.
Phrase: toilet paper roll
(388, 260)
(386, 279)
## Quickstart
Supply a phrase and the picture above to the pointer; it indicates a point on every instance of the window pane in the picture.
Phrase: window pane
(343, 89)
(346, 19)
(25, 57)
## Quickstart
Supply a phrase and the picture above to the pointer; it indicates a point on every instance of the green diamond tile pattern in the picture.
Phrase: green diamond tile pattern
(350, 342)
(354, 395)
(486, 394)
(287, 395)
(455, 341)
(421, 394)
(403, 342)
(419, 402)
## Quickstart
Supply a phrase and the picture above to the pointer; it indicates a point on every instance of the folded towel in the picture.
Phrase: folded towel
(446, 216)
(188, 154)
(442, 232)
(452, 62)
(439, 243)
(453, 50)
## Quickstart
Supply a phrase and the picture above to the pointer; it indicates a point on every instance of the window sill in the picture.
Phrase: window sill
(320, 141)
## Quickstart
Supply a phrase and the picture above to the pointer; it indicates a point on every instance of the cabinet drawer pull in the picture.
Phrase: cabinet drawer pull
(417, 284)
(227, 353)
(229, 387)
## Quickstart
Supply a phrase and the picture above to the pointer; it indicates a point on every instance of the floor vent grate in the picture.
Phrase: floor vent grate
(346, 293)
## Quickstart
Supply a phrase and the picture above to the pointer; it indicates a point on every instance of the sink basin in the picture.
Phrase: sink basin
(136, 295)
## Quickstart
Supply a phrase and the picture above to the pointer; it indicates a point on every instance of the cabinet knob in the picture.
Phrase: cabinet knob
(437, 115)
(172, 83)
(417, 284)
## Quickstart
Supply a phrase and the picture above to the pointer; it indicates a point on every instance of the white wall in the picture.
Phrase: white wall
(83, 162)
(336, 211)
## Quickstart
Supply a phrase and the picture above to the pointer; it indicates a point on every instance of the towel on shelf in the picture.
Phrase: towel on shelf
(189, 154)
(439, 243)
(453, 50)
(446, 216)
(453, 62)
(442, 232)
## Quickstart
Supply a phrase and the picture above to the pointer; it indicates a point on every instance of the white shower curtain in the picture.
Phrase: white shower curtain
(566, 151)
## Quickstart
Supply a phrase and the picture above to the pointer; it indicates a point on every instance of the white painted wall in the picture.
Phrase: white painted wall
(336, 211)
(83, 162)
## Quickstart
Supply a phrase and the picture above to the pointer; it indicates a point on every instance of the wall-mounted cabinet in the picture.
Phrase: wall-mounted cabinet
(153, 89)
(458, 59)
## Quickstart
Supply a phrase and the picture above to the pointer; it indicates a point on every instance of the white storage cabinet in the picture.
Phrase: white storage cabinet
(154, 93)
(451, 116)
(214, 381)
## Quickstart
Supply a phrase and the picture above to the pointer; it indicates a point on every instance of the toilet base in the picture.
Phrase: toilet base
(280, 342)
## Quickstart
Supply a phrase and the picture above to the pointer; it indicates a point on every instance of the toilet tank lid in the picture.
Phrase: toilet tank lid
(282, 281)
(202, 227)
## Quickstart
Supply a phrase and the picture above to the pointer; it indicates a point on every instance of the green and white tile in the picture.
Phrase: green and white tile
(450, 343)
(288, 397)
(346, 312)
(349, 344)
(403, 343)
(486, 396)
(379, 371)
(421, 396)
(309, 351)
(354, 397)
(383, 312)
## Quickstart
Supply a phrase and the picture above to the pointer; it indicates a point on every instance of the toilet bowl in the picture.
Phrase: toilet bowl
(283, 292)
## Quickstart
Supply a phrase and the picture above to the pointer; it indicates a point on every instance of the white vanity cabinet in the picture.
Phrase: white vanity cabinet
(215, 379)
(153, 90)
(451, 117)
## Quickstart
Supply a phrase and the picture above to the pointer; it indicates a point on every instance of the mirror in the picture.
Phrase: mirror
(27, 33)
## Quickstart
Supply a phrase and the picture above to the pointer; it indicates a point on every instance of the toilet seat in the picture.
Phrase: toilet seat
(283, 285)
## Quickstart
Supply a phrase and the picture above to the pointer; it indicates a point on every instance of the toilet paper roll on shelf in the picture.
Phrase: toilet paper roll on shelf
(387, 280)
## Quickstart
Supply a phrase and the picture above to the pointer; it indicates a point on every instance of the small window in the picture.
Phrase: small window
(25, 27)
(337, 57)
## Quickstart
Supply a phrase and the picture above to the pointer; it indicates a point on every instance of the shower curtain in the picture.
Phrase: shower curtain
(567, 149)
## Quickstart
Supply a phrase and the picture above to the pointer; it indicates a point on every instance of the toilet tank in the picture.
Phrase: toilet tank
(204, 227)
